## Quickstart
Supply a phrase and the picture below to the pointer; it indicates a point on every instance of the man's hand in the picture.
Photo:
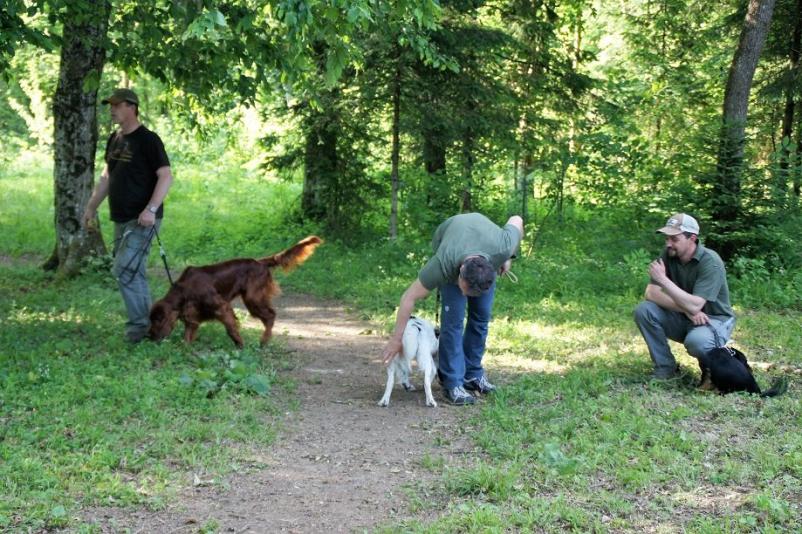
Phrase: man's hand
(699, 318)
(392, 348)
(88, 218)
(147, 218)
(657, 271)
(505, 267)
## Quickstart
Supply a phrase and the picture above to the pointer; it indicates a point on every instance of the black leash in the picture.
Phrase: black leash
(716, 336)
(437, 309)
(140, 256)
(164, 257)
(719, 343)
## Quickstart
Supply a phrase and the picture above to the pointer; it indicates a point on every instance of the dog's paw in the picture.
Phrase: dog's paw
(431, 403)
(408, 386)
(383, 403)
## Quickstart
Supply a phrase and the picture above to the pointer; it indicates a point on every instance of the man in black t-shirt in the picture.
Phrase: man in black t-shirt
(136, 179)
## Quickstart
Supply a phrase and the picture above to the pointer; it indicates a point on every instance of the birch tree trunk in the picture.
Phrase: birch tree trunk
(75, 133)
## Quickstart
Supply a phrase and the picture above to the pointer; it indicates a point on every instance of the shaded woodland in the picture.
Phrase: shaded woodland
(393, 115)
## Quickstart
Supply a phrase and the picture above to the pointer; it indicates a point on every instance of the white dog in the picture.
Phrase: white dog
(419, 342)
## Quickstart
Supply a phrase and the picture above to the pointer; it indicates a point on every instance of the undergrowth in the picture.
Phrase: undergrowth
(576, 439)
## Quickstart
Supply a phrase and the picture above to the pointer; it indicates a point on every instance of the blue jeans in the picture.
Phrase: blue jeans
(131, 248)
(461, 350)
(658, 325)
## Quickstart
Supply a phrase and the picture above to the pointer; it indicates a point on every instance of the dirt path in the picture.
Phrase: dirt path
(341, 463)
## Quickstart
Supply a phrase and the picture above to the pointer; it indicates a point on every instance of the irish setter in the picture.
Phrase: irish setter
(205, 293)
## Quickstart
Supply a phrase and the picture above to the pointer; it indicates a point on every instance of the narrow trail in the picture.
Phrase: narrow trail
(340, 463)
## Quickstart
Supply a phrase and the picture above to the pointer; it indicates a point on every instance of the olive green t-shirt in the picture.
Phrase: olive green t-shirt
(460, 236)
(703, 276)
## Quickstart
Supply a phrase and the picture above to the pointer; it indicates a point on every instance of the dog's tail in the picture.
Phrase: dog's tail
(293, 256)
(779, 387)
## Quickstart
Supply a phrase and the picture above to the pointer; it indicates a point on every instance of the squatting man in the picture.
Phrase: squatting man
(687, 298)
(469, 249)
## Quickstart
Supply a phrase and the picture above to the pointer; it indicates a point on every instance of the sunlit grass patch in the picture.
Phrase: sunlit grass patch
(88, 419)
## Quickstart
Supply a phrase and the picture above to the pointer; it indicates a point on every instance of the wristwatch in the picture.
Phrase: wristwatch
(153, 209)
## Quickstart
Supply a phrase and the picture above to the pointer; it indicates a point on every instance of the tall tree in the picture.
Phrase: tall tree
(791, 96)
(75, 134)
(209, 47)
(725, 196)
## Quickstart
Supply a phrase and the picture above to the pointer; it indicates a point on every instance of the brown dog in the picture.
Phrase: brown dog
(205, 293)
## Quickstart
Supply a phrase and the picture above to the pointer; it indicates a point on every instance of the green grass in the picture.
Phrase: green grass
(576, 440)
(86, 419)
(90, 420)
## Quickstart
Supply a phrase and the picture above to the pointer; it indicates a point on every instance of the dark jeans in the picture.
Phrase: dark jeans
(461, 350)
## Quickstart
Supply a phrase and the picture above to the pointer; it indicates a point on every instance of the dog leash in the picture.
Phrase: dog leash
(511, 275)
(437, 309)
(718, 341)
(716, 336)
(138, 256)
(164, 257)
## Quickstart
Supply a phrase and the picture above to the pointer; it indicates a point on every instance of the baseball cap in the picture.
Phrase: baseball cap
(678, 223)
(121, 95)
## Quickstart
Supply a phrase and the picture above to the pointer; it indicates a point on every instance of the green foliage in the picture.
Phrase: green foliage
(221, 371)
(493, 482)
(88, 419)
(575, 440)
(612, 115)
(757, 284)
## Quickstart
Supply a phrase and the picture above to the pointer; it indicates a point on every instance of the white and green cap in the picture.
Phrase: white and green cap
(679, 223)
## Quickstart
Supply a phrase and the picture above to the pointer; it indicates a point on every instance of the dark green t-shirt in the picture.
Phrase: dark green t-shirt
(460, 236)
(133, 160)
(703, 276)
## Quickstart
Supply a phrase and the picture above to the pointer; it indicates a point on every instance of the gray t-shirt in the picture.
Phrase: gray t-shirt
(460, 236)
(703, 276)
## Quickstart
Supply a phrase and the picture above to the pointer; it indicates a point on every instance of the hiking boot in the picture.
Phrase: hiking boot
(480, 385)
(458, 396)
(665, 373)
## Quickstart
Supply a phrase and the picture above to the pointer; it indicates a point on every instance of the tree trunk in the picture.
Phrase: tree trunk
(467, 172)
(788, 115)
(396, 148)
(75, 133)
(434, 152)
(434, 159)
(798, 167)
(320, 166)
(726, 192)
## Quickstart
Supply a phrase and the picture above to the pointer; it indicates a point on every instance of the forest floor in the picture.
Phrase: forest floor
(340, 463)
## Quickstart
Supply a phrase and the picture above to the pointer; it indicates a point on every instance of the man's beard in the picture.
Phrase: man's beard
(671, 252)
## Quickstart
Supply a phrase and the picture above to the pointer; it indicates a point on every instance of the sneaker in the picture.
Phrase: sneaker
(133, 339)
(458, 396)
(480, 385)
